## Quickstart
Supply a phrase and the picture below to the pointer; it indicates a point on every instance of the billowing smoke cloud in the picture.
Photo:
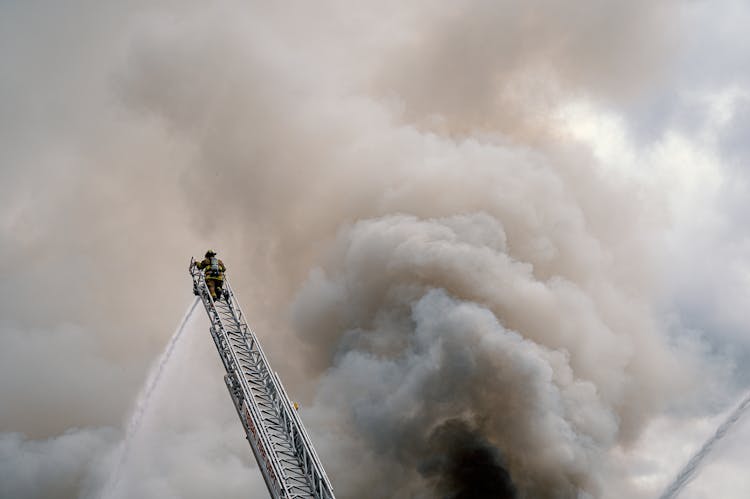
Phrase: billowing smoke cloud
(472, 292)
(503, 65)
(54, 468)
(426, 321)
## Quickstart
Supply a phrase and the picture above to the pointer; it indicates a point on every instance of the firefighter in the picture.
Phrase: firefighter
(214, 272)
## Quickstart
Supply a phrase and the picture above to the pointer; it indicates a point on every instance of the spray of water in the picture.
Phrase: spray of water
(691, 468)
(143, 403)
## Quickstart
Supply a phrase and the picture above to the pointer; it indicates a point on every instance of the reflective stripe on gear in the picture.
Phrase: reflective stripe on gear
(210, 266)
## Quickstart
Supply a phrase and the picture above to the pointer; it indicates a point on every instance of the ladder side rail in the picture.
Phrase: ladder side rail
(318, 476)
(248, 407)
(306, 442)
(302, 442)
(242, 323)
(250, 428)
(267, 452)
(251, 434)
(260, 440)
(256, 434)
(267, 373)
(217, 341)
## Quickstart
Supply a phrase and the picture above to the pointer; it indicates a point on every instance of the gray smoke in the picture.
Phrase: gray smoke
(55, 467)
(432, 320)
(473, 293)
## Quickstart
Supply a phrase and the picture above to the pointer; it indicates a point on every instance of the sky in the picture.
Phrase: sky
(509, 234)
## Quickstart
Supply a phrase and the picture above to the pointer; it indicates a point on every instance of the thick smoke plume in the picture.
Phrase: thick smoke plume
(428, 321)
(472, 292)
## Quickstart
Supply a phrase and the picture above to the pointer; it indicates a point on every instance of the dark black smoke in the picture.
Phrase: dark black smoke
(464, 465)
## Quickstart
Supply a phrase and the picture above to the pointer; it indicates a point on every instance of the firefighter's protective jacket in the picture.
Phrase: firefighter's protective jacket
(214, 268)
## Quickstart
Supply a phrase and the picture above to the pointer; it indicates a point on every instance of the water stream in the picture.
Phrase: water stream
(142, 404)
(688, 472)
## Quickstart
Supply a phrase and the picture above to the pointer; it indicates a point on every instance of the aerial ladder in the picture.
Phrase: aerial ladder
(280, 443)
